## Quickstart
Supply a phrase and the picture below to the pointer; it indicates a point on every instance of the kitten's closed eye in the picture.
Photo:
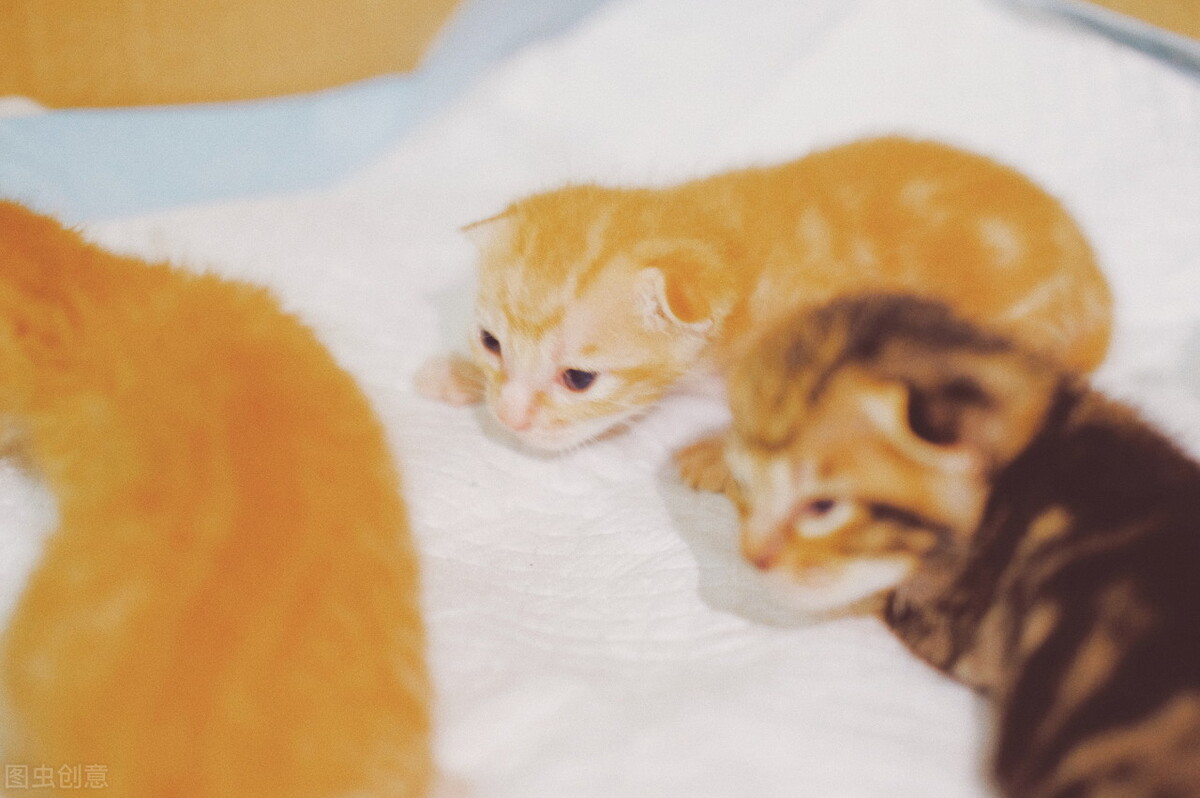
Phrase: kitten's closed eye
(824, 516)
(578, 380)
(819, 507)
(490, 342)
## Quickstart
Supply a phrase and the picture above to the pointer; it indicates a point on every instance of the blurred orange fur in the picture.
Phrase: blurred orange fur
(229, 606)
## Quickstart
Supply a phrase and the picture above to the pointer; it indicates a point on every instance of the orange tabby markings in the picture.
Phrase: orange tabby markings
(677, 281)
(1005, 242)
(229, 605)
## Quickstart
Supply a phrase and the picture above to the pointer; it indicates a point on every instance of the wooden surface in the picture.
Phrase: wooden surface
(135, 52)
(1177, 16)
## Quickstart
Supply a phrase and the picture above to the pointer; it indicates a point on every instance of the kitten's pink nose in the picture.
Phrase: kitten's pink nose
(514, 421)
(515, 408)
(762, 549)
(762, 560)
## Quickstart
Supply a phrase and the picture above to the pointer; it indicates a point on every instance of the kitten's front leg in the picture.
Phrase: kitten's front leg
(945, 630)
(452, 379)
(702, 465)
(925, 629)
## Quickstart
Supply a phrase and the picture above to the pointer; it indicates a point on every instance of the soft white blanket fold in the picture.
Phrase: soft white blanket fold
(592, 630)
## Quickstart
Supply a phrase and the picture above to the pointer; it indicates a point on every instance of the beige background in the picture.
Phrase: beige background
(135, 52)
(1180, 16)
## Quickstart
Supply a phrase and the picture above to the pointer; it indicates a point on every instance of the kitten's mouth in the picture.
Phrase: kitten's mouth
(817, 576)
(557, 440)
(806, 589)
(824, 589)
(554, 441)
(546, 443)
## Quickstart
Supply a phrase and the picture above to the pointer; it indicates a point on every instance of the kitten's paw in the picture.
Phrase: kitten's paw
(451, 379)
(702, 465)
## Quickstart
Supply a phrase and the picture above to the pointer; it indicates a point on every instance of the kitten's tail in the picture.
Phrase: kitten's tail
(229, 606)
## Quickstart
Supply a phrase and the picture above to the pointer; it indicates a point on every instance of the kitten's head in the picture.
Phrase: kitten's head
(587, 312)
(865, 437)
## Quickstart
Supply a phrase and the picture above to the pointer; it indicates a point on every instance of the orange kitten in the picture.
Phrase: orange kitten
(594, 302)
(229, 605)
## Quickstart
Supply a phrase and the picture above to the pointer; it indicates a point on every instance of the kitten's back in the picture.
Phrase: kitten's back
(931, 220)
(1102, 696)
(229, 606)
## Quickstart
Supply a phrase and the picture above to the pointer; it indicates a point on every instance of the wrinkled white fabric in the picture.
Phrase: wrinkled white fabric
(593, 632)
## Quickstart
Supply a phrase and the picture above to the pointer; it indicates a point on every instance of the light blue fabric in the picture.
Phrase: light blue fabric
(95, 164)
(1173, 48)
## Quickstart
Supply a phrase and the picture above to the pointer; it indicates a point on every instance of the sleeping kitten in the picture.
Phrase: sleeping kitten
(229, 605)
(594, 302)
(1028, 536)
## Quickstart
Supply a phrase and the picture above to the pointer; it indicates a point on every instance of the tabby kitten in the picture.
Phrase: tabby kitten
(594, 302)
(1026, 535)
(229, 604)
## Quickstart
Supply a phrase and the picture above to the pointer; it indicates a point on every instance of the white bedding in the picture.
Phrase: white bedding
(593, 632)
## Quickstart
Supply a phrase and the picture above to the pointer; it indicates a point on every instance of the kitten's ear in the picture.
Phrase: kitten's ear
(495, 231)
(987, 405)
(662, 305)
(685, 287)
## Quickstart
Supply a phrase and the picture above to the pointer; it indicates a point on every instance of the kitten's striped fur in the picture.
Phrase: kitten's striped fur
(653, 289)
(1028, 536)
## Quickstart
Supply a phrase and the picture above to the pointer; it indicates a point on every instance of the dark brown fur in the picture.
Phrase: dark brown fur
(1092, 533)
(1074, 603)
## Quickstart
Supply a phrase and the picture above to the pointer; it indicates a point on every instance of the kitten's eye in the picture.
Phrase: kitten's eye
(818, 507)
(577, 380)
(825, 516)
(489, 341)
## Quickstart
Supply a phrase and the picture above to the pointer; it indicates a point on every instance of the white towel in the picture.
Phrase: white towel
(593, 632)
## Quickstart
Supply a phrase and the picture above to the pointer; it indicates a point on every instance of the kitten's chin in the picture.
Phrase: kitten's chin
(556, 440)
(548, 443)
(829, 591)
